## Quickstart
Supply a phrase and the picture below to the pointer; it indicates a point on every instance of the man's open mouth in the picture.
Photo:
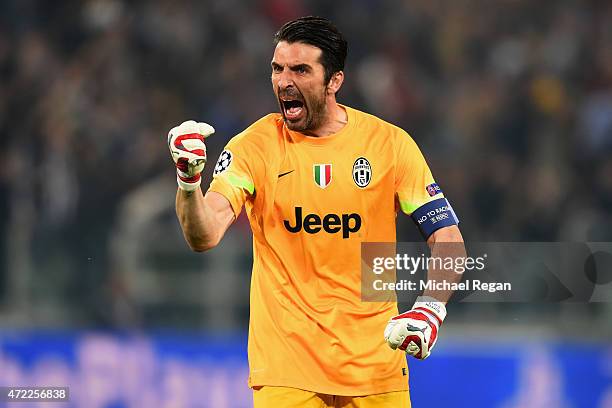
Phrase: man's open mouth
(292, 108)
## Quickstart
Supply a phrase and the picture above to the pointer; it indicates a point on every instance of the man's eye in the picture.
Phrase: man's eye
(276, 68)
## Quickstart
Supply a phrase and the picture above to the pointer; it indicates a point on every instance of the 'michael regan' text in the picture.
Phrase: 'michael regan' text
(467, 285)
(473, 284)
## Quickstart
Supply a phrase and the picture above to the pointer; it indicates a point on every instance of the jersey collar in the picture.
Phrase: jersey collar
(332, 139)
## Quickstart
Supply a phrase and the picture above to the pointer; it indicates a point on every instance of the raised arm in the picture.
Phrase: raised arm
(204, 219)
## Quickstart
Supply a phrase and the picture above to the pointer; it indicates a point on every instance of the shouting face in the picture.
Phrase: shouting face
(298, 79)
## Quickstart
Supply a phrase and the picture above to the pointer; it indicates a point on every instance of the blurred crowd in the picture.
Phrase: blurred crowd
(510, 101)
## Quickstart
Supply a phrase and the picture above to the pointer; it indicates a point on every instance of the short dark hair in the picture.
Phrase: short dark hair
(321, 33)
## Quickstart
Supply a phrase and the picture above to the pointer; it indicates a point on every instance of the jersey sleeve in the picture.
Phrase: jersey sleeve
(418, 194)
(414, 183)
(234, 176)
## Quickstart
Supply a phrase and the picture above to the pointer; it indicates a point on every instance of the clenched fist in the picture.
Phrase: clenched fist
(186, 143)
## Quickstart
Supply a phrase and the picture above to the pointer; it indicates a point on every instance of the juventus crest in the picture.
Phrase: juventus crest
(362, 172)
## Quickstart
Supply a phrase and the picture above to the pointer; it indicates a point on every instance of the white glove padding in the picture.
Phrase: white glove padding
(186, 143)
(416, 331)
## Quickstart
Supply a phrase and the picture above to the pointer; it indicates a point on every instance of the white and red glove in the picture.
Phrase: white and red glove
(186, 143)
(416, 331)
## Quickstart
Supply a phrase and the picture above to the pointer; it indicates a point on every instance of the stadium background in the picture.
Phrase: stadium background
(510, 100)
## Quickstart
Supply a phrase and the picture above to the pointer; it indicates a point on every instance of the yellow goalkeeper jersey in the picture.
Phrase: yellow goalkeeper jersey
(311, 202)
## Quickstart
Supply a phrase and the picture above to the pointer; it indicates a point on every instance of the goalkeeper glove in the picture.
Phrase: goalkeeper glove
(416, 331)
(186, 143)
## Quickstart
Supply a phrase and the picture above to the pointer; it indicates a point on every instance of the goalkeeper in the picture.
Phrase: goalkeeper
(316, 180)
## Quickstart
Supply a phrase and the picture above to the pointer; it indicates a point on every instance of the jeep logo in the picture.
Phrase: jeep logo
(331, 223)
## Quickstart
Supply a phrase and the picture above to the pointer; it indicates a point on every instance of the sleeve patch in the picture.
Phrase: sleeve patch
(225, 159)
(433, 189)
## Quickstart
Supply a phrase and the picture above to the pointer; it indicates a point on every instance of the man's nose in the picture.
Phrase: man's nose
(285, 80)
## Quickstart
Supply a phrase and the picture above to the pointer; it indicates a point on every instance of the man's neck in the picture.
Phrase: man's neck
(337, 118)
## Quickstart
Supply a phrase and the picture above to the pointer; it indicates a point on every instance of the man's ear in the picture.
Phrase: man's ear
(335, 82)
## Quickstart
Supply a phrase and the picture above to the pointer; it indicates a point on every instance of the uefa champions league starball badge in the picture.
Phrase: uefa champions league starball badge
(225, 159)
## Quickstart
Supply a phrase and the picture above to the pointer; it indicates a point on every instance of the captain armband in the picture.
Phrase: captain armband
(434, 215)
